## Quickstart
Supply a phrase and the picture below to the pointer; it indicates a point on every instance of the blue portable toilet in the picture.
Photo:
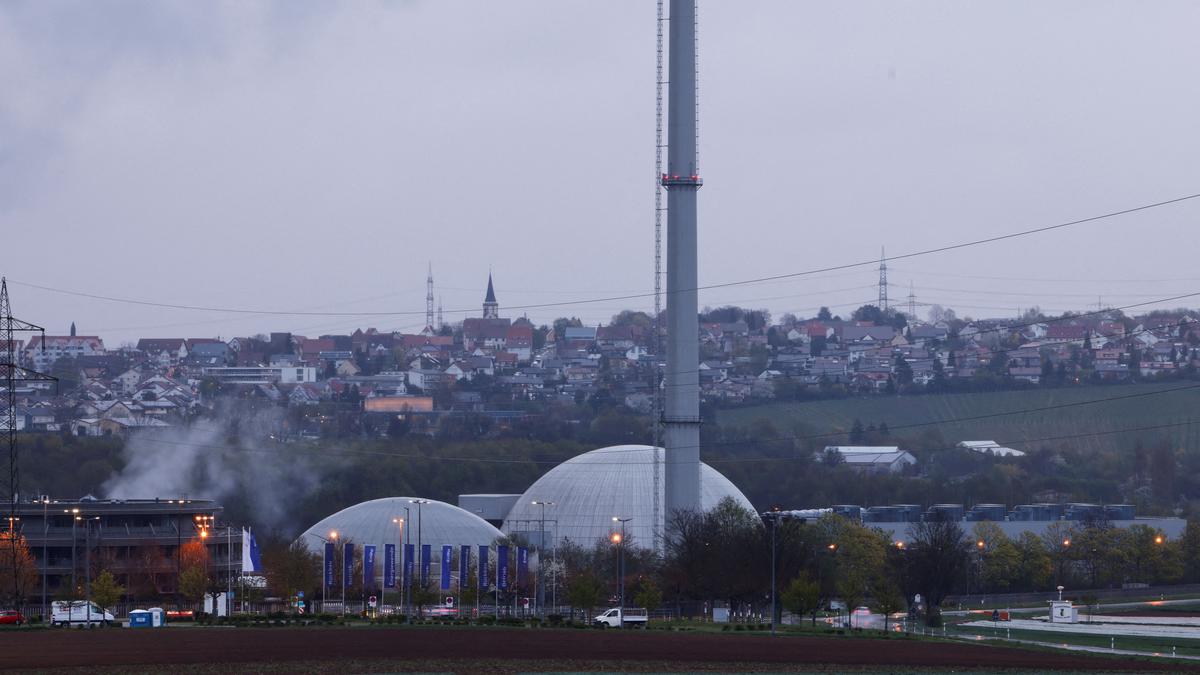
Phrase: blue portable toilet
(139, 618)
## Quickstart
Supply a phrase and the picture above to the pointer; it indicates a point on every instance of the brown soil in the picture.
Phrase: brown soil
(479, 650)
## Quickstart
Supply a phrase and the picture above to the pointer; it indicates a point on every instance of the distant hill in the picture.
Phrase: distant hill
(1020, 431)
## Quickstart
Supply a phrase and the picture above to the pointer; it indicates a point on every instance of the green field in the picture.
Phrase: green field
(1021, 431)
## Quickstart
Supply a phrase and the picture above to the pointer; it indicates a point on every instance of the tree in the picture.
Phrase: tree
(859, 559)
(857, 432)
(904, 372)
(1189, 546)
(584, 591)
(999, 559)
(18, 571)
(647, 595)
(291, 569)
(1034, 567)
(937, 559)
(869, 313)
(193, 583)
(424, 595)
(888, 598)
(823, 314)
(106, 591)
(1162, 472)
(802, 597)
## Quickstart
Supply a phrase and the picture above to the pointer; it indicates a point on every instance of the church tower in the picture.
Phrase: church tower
(491, 308)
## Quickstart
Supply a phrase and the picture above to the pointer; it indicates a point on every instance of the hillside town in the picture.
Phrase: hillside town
(503, 368)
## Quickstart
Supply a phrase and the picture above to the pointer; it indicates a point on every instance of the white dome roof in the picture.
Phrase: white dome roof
(441, 524)
(590, 489)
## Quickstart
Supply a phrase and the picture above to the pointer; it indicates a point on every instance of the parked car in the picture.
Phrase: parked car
(11, 616)
(628, 617)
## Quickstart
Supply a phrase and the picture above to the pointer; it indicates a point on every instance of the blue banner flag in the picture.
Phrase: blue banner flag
(328, 564)
(464, 567)
(389, 565)
(484, 578)
(408, 565)
(447, 563)
(347, 564)
(502, 568)
(426, 555)
(369, 567)
(522, 564)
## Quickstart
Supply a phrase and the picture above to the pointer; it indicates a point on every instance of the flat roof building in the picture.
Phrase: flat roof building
(137, 540)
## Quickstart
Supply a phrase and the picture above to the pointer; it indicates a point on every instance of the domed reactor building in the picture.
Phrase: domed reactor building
(429, 522)
(578, 499)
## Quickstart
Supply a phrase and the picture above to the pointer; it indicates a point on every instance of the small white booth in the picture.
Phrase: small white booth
(1062, 611)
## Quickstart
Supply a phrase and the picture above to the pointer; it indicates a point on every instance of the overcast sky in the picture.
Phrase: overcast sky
(317, 156)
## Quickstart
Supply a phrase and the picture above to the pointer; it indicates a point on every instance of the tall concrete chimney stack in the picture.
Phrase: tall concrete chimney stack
(681, 413)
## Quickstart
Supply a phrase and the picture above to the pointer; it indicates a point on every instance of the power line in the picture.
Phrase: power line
(636, 296)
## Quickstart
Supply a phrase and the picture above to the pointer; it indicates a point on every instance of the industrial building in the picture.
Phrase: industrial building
(896, 519)
(137, 540)
(400, 520)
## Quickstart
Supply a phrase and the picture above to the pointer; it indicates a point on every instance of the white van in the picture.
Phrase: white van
(63, 613)
(615, 617)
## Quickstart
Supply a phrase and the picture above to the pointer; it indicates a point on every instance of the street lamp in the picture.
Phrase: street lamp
(45, 500)
(774, 515)
(87, 548)
(74, 566)
(832, 548)
(420, 548)
(405, 565)
(178, 548)
(619, 540)
(400, 548)
(541, 593)
(333, 535)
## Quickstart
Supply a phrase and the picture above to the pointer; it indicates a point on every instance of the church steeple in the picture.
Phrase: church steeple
(491, 308)
(72, 329)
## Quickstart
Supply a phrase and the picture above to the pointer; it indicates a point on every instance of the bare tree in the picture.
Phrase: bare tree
(937, 558)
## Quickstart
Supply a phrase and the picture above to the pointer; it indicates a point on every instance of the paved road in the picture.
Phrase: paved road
(1094, 650)
(1101, 629)
(1145, 604)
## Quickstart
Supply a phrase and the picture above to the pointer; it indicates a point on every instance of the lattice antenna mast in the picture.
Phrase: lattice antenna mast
(441, 316)
(12, 374)
(883, 282)
(912, 303)
(656, 403)
(429, 298)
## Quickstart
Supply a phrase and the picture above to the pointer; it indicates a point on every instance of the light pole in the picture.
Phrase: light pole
(333, 535)
(400, 549)
(541, 591)
(342, 572)
(45, 561)
(178, 549)
(228, 569)
(420, 548)
(619, 540)
(203, 523)
(74, 585)
(774, 515)
(405, 574)
(87, 561)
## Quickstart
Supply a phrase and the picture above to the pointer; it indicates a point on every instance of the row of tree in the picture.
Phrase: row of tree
(724, 556)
